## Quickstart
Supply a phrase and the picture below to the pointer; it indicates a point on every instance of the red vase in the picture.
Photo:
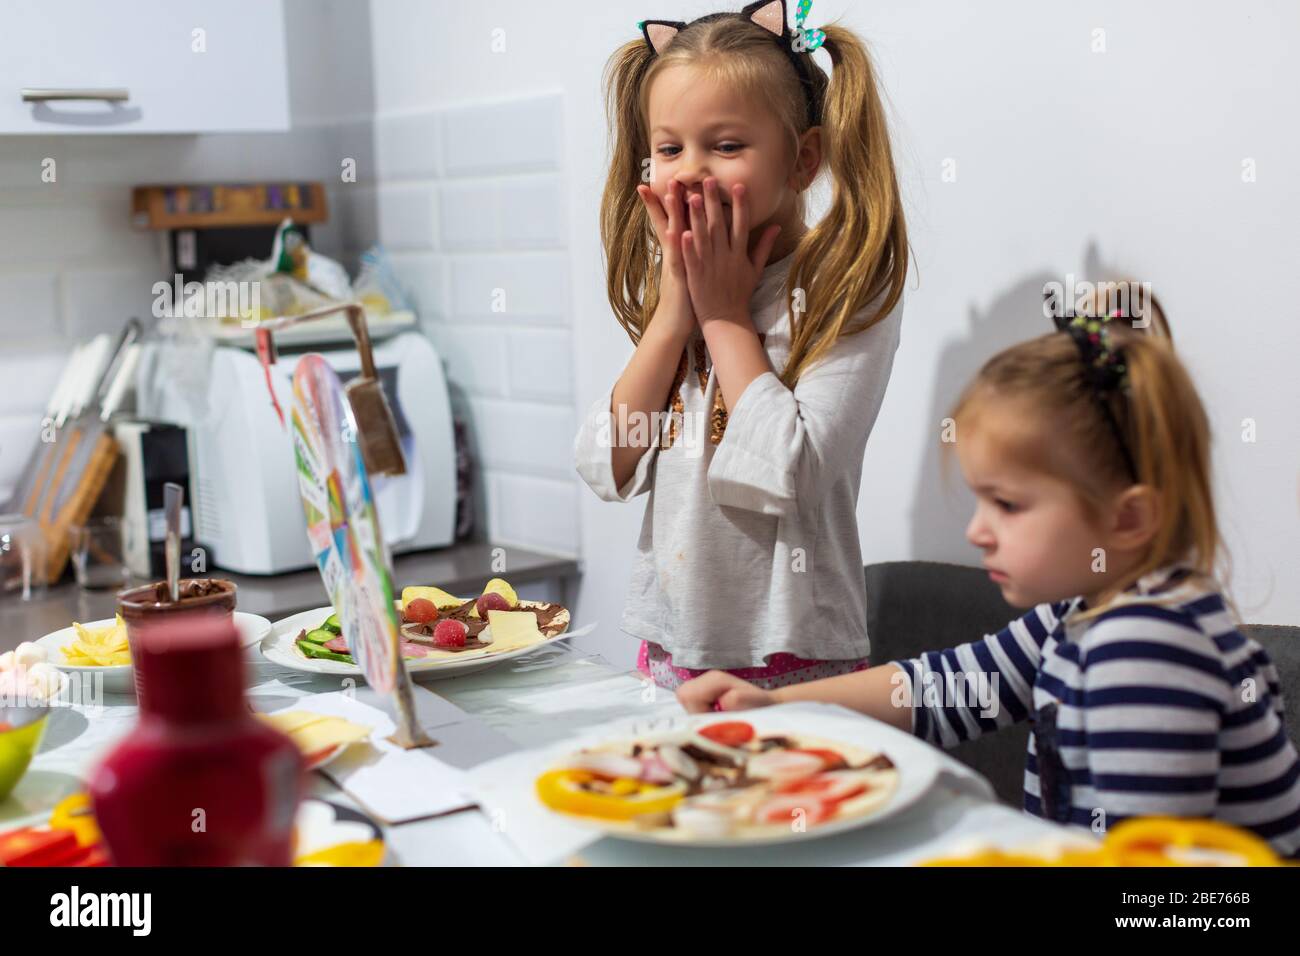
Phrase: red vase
(199, 781)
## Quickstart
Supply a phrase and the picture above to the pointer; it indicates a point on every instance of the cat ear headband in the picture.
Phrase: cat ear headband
(770, 15)
(1104, 368)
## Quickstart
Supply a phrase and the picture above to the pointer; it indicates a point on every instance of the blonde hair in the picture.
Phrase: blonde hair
(854, 256)
(1161, 420)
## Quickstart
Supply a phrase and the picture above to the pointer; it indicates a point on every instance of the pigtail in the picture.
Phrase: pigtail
(1169, 434)
(858, 252)
(626, 233)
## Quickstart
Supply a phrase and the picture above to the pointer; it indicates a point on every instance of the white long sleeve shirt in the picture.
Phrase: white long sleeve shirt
(749, 545)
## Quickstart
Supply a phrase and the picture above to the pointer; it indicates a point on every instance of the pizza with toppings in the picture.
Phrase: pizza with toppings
(719, 783)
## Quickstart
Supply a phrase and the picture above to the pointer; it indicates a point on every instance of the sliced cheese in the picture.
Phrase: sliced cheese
(315, 732)
(290, 720)
(511, 629)
(327, 733)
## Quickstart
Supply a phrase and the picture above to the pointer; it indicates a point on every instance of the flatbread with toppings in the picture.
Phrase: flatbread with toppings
(436, 626)
(719, 783)
(549, 620)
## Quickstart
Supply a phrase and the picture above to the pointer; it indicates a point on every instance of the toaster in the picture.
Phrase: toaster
(247, 510)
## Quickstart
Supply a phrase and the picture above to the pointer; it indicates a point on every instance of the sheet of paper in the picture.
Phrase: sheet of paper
(395, 785)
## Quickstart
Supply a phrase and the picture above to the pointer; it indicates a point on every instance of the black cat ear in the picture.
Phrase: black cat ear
(768, 14)
(659, 33)
(1059, 319)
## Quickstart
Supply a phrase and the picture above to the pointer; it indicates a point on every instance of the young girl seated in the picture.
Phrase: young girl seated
(1088, 452)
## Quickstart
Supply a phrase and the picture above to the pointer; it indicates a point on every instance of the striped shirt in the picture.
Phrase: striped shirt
(1158, 705)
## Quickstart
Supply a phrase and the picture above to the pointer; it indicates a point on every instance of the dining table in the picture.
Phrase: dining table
(535, 701)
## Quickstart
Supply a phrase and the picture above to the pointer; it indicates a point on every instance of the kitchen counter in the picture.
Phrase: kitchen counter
(460, 569)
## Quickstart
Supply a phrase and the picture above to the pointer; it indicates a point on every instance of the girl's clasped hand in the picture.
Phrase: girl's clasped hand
(705, 243)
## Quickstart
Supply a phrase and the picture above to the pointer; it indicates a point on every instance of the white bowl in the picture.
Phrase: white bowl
(120, 678)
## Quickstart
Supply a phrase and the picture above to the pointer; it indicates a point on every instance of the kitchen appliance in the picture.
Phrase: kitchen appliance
(247, 508)
(153, 454)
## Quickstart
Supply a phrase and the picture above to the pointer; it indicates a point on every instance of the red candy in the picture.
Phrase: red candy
(450, 634)
(491, 602)
(421, 611)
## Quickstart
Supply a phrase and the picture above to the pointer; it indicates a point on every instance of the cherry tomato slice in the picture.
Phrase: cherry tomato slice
(789, 808)
(729, 733)
(830, 758)
(831, 786)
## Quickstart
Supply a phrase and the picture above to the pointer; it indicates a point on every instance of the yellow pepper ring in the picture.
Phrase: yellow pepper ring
(989, 858)
(560, 790)
(74, 813)
(1146, 841)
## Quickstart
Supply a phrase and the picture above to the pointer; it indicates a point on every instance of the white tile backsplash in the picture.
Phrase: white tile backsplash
(470, 215)
(421, 277)
(29, 307)
(475, 358)
(101, 300)
(44, 225)
(27, 378)
(406, 215)
(509, 137)
(532, 213)
(541, 364)
(18, 434)
(407, 146)
(532, 512)
(526, 437)
(471, 206)
(511, 288)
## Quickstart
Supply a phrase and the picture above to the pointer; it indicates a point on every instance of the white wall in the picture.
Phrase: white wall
(1070, 161)
(476, 202)
(471, 204)
(1067, 161)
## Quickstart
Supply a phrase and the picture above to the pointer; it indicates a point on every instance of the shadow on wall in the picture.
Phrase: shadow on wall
(943, 504)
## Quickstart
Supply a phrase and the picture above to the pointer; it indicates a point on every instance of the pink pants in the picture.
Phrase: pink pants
(782, 669)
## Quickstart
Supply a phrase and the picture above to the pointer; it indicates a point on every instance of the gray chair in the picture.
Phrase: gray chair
(1282, 644)
(916, 606)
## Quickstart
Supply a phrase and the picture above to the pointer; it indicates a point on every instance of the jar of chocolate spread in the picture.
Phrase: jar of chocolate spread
(152, 603)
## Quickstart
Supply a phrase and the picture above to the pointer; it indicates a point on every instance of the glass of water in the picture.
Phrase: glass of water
(22, 557)
(99, 555)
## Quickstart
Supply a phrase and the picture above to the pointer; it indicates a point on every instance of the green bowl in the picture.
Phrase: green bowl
(21, 729)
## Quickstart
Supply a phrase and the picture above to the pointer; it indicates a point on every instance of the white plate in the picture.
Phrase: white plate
(916, 762)
(120, 679)
(278, 647)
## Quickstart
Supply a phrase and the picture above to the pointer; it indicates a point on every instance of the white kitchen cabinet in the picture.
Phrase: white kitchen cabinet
(146, 66)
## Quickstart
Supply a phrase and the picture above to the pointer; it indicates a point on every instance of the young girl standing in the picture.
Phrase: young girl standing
(1088, 453)
(763, 346)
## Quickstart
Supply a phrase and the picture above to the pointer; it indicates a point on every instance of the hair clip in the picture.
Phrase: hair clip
(809, 39)
(1102, 357)
(1104, 369)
